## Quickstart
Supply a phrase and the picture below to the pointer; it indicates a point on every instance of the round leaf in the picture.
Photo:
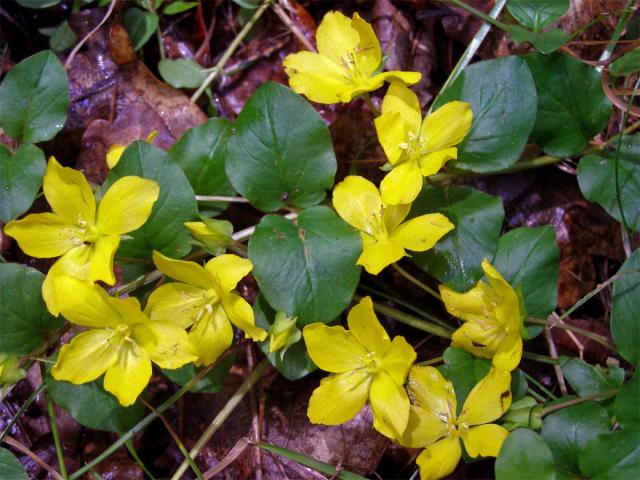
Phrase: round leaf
(90, 405)
(537, 14)
(626, 404)
(306, 270)
(464, 371)
(525, 456)
(625, 327)
(164, 230)
(572, 108)
(456, 259)
(10, 466)
(627, 64)
(62, 38)
(503, 99)
(612, 456)
(618, 194)
(140, 25)
(20, 179)
(567, 431)
(182, 73)
(281, 151)
(588, 380)
(37, 4)
(528, 258)
(34, 98)
(25, 320)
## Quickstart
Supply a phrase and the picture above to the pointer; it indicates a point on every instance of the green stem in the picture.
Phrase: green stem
(536, 395)
(616, 34)
(230, 50)
(21, 410)
(54, 431)
(217, 422)
(138, 460)
(480, 14)
(431, 361)
(217, 198)
(544, 389)
(575, 401)
(572, 328)
(374, 110)
(537, 162)
(416, 282)
(141, 425)
(540, 358)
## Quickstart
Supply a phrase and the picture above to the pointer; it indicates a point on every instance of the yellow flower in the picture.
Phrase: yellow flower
(204, 299)
(492, 313)
(120, 341)
(115, 151)
(84, 237)
(433, 422)
(346, 64)
(384, 236)
(283, 333)
(365, 364)
(417, 147)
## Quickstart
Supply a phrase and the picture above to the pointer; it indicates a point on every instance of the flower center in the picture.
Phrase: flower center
(351, 67)
(413, 146)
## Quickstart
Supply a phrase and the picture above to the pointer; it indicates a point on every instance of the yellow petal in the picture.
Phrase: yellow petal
(211, 336)
(409, 78)
(128, 376)
(339, 398)
(508, 306)
(392, 134)
(365, 327)
(314, 76)
(85, 303)
(104, 251)
(241, 315)
(398, 359)
(402, 184)
(357, 201)
(126, 206)
(228, 270)
(423, 428)
(86, 357)
(509, 352)
(439, 459)
(44, 235)
(129, 310)
(336, 38)
(423, 232)
(333, 349)
(430, 391)
(401, 100)
(75, 263)
(69, 194)
(394, 215)
(480, 339)
(431, 163)
(113, 154)
(166, 344)
(368, 54)
(488, 400)
(187, 272)
(390, 406)
(447, 126)
(178, 303)
(472, 306)
(484, 440)
(378, 255)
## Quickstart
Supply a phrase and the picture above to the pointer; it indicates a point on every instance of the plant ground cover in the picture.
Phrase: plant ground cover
(319, 239)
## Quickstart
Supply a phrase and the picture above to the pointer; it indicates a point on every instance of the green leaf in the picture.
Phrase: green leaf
(614, 184)
(178, 6)
(212, 382)
(140, 26)
(164, 230)
(586, 379)
(478, 217)
(572, 108)
(464, 371)
(200, 153)
(568, 431)
(525, 455)
(625, 405)
(34, 98)
(62, 38)
(625, 327)
(182, 73)
(281, 152)
(293, 362)
(503, 99)
(308, 271)
(528, 258)
(26, 322)
(38, 4)
(537, 14)
(613, 456)
(90, 405)
(519, 385)
(627, 64)
(10, 466)
(20, 179)
(545, 42)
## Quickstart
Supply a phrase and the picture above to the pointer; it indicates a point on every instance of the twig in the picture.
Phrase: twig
(255, 421)
(77, 48)
(217, 198)
(553, 351)
(575, 401)
(237, 450)
(284, 17)
(22, 448)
